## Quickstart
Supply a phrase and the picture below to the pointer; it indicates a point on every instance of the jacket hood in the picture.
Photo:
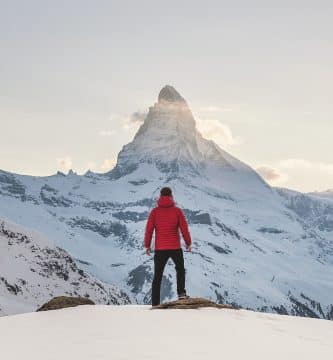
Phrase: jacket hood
(165, 201)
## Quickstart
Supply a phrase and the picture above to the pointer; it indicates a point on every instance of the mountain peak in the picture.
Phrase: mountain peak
(170, 94)
(169, 139)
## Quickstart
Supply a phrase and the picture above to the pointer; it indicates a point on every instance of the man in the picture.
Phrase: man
(166, 219)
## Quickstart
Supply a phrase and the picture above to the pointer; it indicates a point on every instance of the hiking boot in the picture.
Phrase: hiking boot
(183, 297)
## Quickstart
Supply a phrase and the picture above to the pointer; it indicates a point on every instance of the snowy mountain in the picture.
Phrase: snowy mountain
(33, 270)
(327, 195)
(136, 332)
(259, 247)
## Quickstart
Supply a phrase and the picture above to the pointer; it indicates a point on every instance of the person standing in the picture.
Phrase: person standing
(166, 220)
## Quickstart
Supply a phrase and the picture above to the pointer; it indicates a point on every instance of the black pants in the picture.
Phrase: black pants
(160, 259)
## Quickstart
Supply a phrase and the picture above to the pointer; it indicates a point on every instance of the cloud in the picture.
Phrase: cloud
(138, 117)
(295, 163)
(294, 170)
(328, 168)
(271, 175)
(218, 132)
(91, 165)
(106, 132)
(108, 164)
(298, 163)
(214, 109)
(133, 121)
(65, 163)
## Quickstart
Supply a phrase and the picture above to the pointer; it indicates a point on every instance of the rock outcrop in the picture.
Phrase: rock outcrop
(61, 302)
(192, 303)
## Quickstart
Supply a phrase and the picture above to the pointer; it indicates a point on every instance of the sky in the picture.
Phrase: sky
(257, 75)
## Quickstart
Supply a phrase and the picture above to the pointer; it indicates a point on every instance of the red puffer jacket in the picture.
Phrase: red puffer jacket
(166, 219)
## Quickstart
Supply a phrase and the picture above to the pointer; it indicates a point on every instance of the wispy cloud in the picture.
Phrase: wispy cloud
(108, 164)
(91, 165)
(299, 163)
(134, 120)
(138, 117)
(272, 175)
(64, 163)
(214, 109)
(218, 132)
(291, 170)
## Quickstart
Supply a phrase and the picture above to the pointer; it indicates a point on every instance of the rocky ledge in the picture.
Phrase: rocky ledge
(61, 302)
(191, 303)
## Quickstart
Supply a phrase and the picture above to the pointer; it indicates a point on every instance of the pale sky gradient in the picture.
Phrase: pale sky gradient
(258, 77)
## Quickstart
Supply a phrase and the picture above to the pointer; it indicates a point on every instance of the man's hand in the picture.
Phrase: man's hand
(148, 251)
(188, 248)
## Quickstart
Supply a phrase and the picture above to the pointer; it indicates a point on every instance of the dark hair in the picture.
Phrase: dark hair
(166, 191)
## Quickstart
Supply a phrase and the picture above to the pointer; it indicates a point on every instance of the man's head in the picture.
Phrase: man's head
(166, 191)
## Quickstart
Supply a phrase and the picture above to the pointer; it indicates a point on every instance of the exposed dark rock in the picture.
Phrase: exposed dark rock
(120, 171)
(329, 314)
(148, 202)
(130, 216)
(280, 310)
(270, 230)
(61, 302)
(108, 206)
(197, 217)
(117, 264)
(232, 232)
(314, 304)
(170, 94)
(12, 288)
(219, 249)
(105, 228)
(83, 262)
(11, 186)
(138, 276)
(139, 182)
(50, 197)
(205, 257)
(227, 230)
(166, 288)
(301, 309)
(102, 206)
(219, 298)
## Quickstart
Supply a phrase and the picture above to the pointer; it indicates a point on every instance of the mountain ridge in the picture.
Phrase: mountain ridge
(254, 245)
(34, 270)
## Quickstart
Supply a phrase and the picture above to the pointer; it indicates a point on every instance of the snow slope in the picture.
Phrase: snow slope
(33, 270)
(256, 246)
(136, 332)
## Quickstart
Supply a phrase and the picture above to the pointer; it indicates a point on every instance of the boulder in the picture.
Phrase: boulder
(192, 303)
(61, 302)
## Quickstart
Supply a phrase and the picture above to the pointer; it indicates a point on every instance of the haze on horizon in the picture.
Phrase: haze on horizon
(77, 77)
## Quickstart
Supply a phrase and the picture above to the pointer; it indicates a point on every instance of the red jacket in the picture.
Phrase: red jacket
(166, 219)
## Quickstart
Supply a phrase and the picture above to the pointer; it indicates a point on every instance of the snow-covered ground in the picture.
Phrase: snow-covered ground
(136, 332)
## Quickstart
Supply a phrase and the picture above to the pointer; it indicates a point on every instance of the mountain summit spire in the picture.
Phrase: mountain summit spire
(169, 141)
(170, 94)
